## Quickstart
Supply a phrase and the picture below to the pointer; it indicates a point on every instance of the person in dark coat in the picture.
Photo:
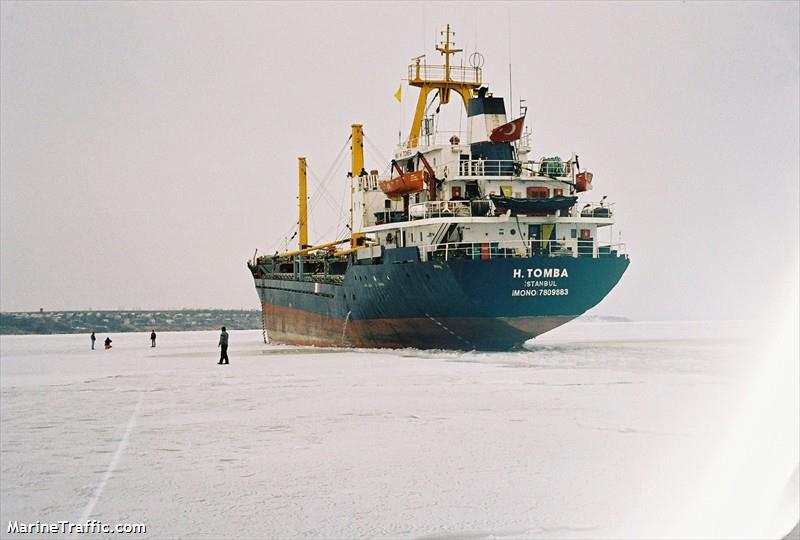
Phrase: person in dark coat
(223, 345)
(108, 342)
(93, 340)
(153, 338)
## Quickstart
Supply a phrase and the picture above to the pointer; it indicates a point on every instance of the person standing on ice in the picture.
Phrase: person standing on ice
(223, 344)
(153, 338)
(93, 340)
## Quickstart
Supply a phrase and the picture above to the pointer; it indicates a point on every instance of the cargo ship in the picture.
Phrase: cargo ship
(463, 242)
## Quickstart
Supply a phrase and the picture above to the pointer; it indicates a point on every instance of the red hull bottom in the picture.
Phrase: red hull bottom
(297, 327)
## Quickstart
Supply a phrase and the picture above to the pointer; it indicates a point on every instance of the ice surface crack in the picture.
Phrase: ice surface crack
(113, 465)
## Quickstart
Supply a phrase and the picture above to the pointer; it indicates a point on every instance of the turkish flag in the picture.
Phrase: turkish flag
(508, 132)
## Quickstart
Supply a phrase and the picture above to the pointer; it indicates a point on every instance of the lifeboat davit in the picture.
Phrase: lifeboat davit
(407, 183)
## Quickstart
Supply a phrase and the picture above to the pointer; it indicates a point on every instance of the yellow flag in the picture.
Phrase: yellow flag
(547, 232)
(399, 94)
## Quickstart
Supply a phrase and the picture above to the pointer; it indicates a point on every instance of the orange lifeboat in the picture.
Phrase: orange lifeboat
(583, 181)
(406, 183)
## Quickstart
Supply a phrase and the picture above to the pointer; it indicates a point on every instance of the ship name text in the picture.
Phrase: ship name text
(541, 272)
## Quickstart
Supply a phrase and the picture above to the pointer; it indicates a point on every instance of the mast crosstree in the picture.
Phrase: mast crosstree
(444, 79)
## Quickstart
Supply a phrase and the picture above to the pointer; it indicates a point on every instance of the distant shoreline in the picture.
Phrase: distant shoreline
(86, 322)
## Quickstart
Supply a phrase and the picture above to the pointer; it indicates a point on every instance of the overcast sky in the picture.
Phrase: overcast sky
(147, 149)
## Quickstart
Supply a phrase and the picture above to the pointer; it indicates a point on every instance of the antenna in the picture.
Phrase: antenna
(510, 91)
(510, 94)
(424, 39)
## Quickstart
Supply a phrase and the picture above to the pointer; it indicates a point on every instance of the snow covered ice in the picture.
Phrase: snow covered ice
(600, 430)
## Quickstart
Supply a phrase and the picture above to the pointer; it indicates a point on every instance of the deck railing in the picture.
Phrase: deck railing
(440, 138)
(520, 249)
(488, 167)
(509, 167)
(484, 207)
(435, 209)
(458, 74)
(594, 210)
(457, 167)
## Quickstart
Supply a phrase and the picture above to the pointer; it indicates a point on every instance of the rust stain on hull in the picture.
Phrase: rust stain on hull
(297, 327)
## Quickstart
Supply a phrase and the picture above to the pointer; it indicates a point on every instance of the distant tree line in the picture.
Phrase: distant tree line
(77, 322)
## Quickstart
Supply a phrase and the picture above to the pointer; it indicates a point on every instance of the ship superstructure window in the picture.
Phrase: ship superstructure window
(537, 192)
(586, 234)
(558, 192)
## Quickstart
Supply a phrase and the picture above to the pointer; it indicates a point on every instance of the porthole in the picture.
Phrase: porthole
(513, 231)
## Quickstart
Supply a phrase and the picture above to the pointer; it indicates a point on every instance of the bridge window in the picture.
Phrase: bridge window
(538, 192)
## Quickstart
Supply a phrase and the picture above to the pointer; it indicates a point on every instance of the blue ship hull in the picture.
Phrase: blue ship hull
(464, 303)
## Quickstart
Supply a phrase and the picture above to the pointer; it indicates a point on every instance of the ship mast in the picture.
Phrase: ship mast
(444, 79)
(357, 166)
(302, 200)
